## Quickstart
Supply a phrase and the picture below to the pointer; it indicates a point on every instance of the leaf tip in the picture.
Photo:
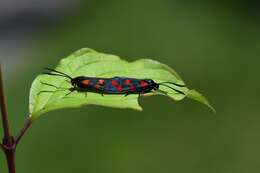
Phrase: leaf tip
(195, 95)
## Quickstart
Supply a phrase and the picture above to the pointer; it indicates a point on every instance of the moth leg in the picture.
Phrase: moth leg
(126, 94)
(140, 94)
(102, 91)
(71, 91)
(68, 93)
(86, 94)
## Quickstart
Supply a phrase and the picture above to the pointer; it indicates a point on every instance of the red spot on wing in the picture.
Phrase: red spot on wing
(85, 82)
(101, 81)
(97, 86)
(128, 81)
(119, 88)
(143, 84)
(114, 83)
(132, 88)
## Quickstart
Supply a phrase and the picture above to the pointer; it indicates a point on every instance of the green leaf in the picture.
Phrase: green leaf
(87, 62)
(193, 94)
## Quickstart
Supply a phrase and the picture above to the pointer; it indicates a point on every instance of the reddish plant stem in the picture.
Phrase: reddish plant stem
(26, 126)
(8, 142)
(7, 133)
(10, 158)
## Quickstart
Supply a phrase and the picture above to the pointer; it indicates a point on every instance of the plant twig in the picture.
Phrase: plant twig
(7, 133)
(8, 143)
(23, 131)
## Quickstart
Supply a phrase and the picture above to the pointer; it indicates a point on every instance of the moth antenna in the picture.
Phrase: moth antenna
(61, 73)
(48, 84)
(54, 74)
(179, 85)
(172, 88)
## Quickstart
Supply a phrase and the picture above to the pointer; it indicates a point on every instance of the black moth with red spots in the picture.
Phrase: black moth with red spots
(114, 85)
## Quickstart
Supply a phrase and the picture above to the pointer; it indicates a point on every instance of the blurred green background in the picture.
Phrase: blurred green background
(213, 45)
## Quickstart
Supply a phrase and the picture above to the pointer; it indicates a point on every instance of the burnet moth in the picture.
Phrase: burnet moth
(114, 85)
